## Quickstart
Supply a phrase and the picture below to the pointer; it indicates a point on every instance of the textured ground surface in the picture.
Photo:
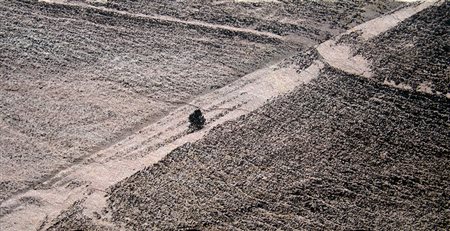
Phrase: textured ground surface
(340, 153)
(75, 79)
(415, 54)
(343, 152)
(308, 18)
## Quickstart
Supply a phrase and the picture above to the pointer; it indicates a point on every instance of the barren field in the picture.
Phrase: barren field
(315, 119)
(341, 153)
(75, 79)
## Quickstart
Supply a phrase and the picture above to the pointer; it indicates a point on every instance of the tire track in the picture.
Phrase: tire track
(89, 180)
(169, 19)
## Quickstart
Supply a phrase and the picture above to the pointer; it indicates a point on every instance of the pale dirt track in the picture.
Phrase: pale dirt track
(78, 82)
(88, 180)
(340, 55)
(148, 146)
(175, 20)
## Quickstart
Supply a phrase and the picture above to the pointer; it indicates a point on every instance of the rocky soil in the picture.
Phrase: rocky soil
(340, 153)
(75, 79)
(344, 152)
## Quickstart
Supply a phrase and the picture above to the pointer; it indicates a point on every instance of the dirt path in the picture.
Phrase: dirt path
(340, 56)
(35, 209)
(89, 179)
(164, 18)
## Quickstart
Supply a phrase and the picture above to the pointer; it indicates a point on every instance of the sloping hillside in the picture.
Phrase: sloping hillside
(342, 152)
(76, 79)
(90, 95)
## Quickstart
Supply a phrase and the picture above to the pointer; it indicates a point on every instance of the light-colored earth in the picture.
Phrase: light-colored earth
(89, 179)
(77, 77)
(67, 92)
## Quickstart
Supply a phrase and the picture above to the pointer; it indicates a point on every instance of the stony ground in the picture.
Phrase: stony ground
(74, 80)
(308, 18)
(341, 153)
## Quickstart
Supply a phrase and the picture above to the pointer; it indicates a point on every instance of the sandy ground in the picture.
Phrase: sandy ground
(80, 76)
(72, 84)
(340, 153)
(109, 166)
(342, 56)
(344, 152)
(95, 174)
(311, 19)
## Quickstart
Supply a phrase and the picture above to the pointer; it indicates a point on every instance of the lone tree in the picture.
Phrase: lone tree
(196, 120)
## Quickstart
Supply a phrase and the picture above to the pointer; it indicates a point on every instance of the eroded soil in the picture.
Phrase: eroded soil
(340, 152)
(75, 79)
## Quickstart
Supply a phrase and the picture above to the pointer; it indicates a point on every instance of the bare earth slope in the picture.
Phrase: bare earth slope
(339, 153)
(342, 152)
(75, 79)
(311, 19)
(78, 76)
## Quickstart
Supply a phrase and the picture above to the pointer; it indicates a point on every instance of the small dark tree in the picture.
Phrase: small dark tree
(196, 120)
